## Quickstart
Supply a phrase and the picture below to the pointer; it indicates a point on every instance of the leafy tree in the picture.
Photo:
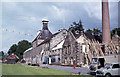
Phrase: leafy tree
(22, 46)
(4, 57)
(115, 30)
(12, 49)
(94, 31)
(76, 27)
(89, 31)
(1, 53)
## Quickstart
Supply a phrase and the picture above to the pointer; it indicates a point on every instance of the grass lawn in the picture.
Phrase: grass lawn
(19, 69)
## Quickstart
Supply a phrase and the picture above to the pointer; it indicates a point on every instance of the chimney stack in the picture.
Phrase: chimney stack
(45, 24)
(106, 35)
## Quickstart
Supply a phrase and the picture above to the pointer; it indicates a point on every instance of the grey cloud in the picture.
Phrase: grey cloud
(26, 17)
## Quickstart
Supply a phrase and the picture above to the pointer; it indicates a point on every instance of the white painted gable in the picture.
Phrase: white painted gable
(81, 39)
(59, 45)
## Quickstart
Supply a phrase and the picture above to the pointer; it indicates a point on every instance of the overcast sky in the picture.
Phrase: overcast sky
(26, 17)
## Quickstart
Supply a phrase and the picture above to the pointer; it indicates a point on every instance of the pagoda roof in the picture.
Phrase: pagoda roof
(12, 56)
(44, 33)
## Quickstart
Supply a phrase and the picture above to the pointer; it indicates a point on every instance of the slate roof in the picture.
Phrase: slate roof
(48, 39)
(91, 36)
(99, 38)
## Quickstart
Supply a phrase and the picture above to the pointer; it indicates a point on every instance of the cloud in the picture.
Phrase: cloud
(27, 17)
(113, 10)
(93, 10)
(59, 12)
(32, 19)
(5, 49)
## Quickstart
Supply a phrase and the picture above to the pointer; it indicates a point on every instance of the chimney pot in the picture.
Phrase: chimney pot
(45, 24)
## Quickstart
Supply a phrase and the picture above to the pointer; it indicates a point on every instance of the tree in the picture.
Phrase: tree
(22, 46)
(4, 56)
(94, 31)
(13, 49)
(1, 53)
(89, 31)
(115, 30)
(77, 28)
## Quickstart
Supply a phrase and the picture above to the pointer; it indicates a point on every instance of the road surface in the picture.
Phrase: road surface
(82, 70)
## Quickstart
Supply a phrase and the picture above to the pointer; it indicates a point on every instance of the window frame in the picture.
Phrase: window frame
(115, 67)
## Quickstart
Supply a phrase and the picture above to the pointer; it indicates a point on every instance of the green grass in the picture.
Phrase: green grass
(19, 69)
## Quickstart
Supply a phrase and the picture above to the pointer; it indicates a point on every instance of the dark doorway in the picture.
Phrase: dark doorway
(101, 61)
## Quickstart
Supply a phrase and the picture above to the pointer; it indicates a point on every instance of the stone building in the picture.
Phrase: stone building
(81, 48)
(40, 44)
(63, 47)
(27, 55)
(42, 34)
(116, 39)
(116, 42)
(56, 44)
(69, 52)
(47, 48)
(52, 48)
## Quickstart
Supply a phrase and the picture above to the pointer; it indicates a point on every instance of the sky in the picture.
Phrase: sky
(26, 18)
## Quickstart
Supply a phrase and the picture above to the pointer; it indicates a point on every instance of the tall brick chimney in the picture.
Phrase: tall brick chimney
(106, 36)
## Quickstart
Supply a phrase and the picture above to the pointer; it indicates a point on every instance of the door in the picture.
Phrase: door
(115, 69)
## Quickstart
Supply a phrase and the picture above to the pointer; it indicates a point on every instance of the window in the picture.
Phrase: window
(94, 60)
(59, 59)
(107, 65)
(116, 66)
